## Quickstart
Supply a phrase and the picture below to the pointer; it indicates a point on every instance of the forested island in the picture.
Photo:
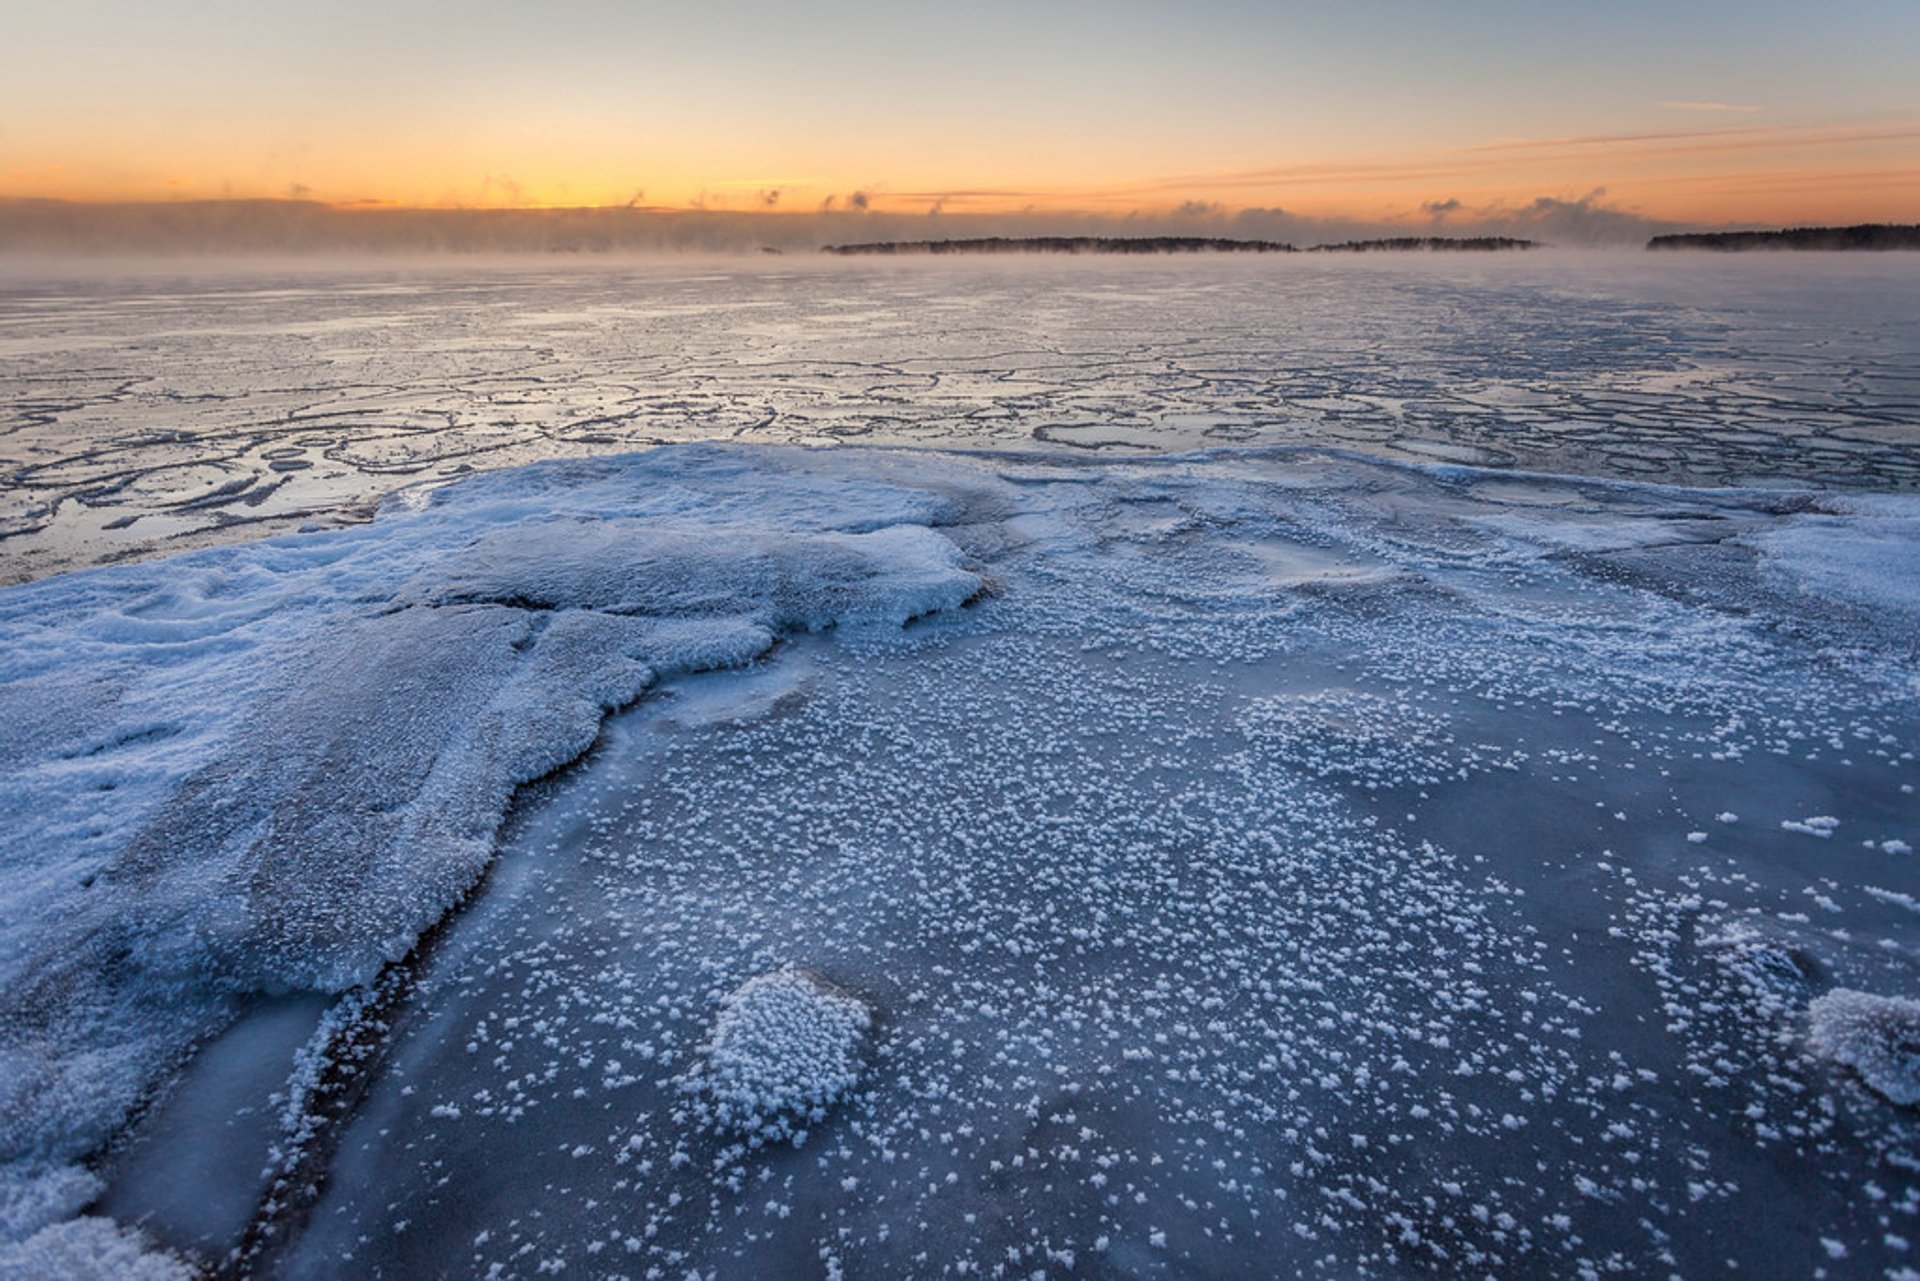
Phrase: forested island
(1069, 245)
(1867, 235)
(1422, 244)
(1171, 245)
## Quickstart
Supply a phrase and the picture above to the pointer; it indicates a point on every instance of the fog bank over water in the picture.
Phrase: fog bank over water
(64, 228)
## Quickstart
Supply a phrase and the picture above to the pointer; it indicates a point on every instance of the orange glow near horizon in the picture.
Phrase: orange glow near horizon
(1858, 171)
(1751, 112)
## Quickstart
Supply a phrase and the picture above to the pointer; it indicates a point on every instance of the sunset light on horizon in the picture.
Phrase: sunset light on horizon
(1395, 114)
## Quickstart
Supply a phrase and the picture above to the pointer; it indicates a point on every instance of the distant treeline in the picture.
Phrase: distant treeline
(1868, 235)
(1069, 245)
(1170, 245)
(1412, 244)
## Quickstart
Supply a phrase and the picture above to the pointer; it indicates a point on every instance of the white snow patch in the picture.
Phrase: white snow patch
(1863, 550)
(1566, 532)
(34, 1194)
(90, 1249)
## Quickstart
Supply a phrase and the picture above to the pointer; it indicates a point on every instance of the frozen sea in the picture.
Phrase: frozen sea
(1177, 769)
(146, 407)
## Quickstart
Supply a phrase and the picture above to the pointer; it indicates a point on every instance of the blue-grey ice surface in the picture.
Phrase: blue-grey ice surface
(1258, 861)
(150, 407)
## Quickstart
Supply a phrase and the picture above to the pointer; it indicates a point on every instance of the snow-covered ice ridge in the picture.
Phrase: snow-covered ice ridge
(145, 412)
(1293, 862)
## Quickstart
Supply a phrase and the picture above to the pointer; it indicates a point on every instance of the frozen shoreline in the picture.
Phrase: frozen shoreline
(310, 743)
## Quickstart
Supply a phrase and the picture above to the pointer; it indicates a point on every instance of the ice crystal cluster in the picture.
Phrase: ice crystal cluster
(1876, 1036)
(785, 1046)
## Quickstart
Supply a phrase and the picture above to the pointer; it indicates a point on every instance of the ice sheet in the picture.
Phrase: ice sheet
(1293, 862)
(269, 767)
(143, 411)
(1215, 921)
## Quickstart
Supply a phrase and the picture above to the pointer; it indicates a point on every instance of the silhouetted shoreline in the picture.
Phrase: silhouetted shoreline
(1427, 244)
(1067, 245)
(1866, 235)
(1169, 245)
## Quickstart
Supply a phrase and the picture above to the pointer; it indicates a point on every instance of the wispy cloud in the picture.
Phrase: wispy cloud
(1633, 159)
(1708, 106)
(1729, 138)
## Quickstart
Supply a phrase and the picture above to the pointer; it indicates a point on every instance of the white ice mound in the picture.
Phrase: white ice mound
(784, 1047)
(678, 569)
(1876, 1036)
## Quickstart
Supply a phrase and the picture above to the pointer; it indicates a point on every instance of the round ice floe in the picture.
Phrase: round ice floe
(784, 1046)
(1876, 1036)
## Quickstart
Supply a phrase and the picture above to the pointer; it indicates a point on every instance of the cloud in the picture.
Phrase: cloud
(1439, 209)
(1728, 139)
(1199, 209)
(1581, 221)
(1513, 163)
(1706, 106)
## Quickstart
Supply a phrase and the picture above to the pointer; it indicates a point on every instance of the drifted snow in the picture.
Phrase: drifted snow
(1876, 1036)
(784, 1046)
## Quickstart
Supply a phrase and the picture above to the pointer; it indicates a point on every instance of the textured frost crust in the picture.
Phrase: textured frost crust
(90, 1249)
(1876, 1036)
(784, 1047)
(271, 766)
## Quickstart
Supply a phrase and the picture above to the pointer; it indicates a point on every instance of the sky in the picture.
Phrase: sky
(1380, 114)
